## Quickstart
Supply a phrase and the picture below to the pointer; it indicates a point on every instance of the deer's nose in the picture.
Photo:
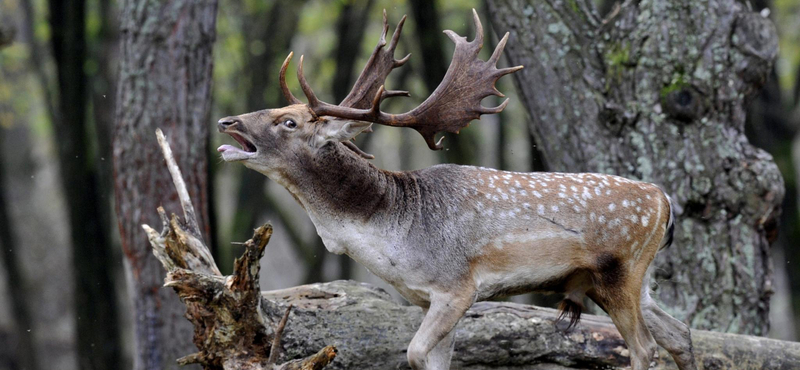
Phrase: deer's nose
(227, 122)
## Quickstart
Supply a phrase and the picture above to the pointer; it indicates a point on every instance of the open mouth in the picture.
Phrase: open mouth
(247, 146)
(232, 153)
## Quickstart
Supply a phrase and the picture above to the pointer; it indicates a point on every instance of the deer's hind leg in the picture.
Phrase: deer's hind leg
(617, 291)
(668, 332)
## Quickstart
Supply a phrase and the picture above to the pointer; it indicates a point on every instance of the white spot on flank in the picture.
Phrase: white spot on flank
(573, 188)
(634, 218)
(513, 190)
(601, 219)
(625, 203)
(505, 196)
(554, 208)
(562, 195)
(523, 192)
(537, 194)
(645, 220)
(516, 183)
(597, 191)
(526, 205)
(540, 209)
(506, 177)
(576, 208)
(612, 206)
(608, 192)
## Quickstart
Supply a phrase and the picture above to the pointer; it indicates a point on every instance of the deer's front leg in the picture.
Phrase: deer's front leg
(432, 345)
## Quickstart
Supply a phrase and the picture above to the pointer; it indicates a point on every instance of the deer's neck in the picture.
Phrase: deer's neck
(339, 187)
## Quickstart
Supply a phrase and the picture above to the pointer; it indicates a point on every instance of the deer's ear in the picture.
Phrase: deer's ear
(339, 130)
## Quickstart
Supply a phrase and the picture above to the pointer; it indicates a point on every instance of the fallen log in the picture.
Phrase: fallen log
(238, 328)
(365, 324)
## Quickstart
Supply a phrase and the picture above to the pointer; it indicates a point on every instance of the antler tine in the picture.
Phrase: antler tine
(285, 88)
(313, 102)
(498, 50)
(378, 67)
(497, 109)
(400, 62)
(382, 40)
(504, 71)
(393, 93)
(478, 29)
(397, 30)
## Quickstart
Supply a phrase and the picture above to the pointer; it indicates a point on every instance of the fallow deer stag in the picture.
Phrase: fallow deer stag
(450, 235)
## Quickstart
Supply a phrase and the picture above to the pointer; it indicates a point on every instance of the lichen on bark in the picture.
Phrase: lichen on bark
(656, 91)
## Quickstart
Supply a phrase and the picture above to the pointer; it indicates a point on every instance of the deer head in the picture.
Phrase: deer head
(273, 139)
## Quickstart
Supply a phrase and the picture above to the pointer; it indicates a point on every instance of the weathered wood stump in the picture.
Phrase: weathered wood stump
(234, 327)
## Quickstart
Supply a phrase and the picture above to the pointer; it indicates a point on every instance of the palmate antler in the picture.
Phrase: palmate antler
(451, 107)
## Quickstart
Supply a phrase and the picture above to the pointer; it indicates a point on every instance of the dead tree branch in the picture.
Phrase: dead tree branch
(231, 320)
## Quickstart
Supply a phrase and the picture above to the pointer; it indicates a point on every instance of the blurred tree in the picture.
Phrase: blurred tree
(617, 95)
(164, 81)
(96, 313)
(25, 354)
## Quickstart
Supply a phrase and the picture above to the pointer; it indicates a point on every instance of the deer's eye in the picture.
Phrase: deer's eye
(290, 123)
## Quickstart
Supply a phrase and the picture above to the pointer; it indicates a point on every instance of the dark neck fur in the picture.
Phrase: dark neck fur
(338, 182)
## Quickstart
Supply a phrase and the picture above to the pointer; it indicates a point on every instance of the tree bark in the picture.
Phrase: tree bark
(98, 338)
(164, 80)
(657, 92)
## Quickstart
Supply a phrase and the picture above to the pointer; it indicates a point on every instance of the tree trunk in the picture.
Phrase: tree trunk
(164, 80)
(25, 354)
(657, 92)
(98, 339)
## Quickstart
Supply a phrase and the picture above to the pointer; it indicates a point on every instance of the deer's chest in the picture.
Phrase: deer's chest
(380, 251)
